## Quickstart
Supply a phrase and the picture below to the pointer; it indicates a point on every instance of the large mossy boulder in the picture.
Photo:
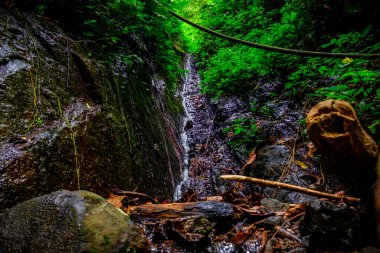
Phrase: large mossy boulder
(66, 221)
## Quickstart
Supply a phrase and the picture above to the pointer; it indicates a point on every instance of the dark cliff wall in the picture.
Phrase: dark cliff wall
(68, 121)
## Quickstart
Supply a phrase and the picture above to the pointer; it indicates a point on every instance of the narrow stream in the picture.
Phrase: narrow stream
(205, 152)
(190, 87)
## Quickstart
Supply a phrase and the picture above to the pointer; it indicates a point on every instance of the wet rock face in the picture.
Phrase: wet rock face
(69, 122)
(66, 221)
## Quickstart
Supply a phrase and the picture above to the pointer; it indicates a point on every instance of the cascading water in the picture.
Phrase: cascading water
(191, 80)
(205, 152)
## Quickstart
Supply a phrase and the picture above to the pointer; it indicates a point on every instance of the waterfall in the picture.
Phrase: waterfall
(190, 85)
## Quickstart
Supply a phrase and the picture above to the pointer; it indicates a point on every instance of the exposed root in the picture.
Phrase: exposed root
(72, 136)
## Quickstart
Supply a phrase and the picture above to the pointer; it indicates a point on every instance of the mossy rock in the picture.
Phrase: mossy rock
(66, 221)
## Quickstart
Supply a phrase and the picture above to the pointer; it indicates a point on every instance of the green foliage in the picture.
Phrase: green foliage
(139, 32)
(135, 32)
(38, 121)
(134, 23)
(356, 81)
(243, 134)
(331, 26)
(227, 67)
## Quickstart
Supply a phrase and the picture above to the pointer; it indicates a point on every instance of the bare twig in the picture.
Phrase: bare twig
(270, 245)
(137, 194)
(287, 186)
(287, 234)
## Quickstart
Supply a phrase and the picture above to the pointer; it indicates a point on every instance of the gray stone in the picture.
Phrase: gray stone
(273, 205)
(270, 162)
(273, 162)
(328, 226)
(65, 221)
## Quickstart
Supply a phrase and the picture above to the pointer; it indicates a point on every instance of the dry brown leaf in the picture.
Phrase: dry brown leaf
(116, 201)
(295, 210)
(251, 159)
(249, 229)
(214, 198)
(240, 238)
(301, 164)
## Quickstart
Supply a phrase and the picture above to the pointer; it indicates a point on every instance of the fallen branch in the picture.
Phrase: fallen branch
(287, 186)
(136, 194)
(206, 209)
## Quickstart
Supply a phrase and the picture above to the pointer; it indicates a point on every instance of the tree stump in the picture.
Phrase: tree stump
(351, 154)
(349, 151)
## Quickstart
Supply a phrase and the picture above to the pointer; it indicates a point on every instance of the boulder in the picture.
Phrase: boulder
(330, 226)
(66, 221)
(273, 162)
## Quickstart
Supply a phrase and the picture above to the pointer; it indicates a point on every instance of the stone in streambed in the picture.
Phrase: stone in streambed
(66, 221)
(328, 226)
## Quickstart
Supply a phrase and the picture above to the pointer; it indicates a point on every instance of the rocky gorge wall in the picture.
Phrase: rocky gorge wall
(69, 122)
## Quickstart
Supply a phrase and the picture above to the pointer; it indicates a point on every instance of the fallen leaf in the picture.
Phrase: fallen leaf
(251, 159)
(347, 60)
(214, 198)
(240, 238)
(295, 210)
(116, 201)
(301, 164)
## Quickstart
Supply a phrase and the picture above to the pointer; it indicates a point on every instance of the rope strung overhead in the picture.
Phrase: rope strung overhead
(273, 48)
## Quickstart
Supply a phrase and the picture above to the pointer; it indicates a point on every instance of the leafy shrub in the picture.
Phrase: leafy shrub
(242, 134)
(228, 67)
(354, 80)
(134, 31)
